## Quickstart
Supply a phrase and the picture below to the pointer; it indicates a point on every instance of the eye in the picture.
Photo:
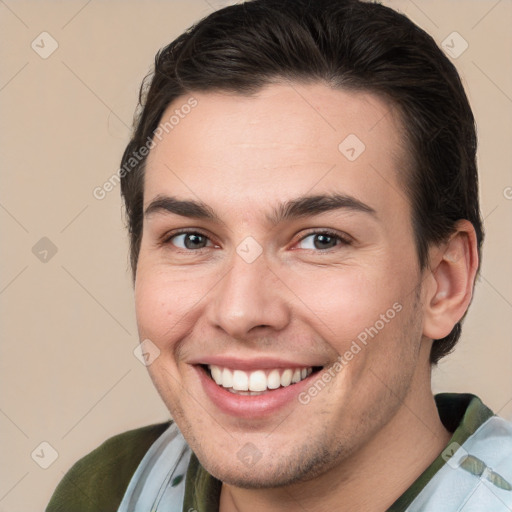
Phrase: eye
(322, 240)
(189, 240)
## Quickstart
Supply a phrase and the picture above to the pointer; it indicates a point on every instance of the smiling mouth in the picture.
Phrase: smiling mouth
(257, 382)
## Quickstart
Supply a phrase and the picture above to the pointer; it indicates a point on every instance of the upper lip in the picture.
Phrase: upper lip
(254, 363)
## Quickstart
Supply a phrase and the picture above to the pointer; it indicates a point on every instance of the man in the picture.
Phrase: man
(302, 200)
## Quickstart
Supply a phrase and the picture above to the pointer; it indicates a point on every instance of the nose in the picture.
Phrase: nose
(249, 300)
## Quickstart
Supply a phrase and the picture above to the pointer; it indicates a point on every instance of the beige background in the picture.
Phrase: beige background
(68, 373)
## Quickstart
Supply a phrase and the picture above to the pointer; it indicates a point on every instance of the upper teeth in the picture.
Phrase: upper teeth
(259, 380)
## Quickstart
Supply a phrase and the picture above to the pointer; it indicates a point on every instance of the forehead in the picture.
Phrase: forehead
(284, 139)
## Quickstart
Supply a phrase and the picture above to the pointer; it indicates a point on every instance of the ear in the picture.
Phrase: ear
(449, 288)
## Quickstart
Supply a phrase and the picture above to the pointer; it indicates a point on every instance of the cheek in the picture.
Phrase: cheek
(344, 302)
(164, 303)
(164, 309)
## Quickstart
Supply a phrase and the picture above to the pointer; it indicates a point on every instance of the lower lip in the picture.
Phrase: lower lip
(247, 406)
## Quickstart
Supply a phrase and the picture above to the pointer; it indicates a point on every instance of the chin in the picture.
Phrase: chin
(275, 470)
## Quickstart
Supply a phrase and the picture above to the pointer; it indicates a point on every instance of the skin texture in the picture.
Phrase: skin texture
(373, 426)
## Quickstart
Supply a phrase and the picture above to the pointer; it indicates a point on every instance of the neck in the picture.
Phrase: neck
(371, 479)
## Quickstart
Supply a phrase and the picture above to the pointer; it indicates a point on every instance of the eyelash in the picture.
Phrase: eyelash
(344, 240)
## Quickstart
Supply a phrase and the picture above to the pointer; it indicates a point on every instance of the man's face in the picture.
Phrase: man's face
(259, 291)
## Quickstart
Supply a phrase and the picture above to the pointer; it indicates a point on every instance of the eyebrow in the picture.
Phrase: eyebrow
(304, 206)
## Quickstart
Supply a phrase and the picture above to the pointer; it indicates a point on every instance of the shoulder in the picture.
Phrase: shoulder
(473, 472)
(98, 481)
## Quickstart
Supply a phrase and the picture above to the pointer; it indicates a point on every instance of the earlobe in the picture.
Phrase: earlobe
(453, 272)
